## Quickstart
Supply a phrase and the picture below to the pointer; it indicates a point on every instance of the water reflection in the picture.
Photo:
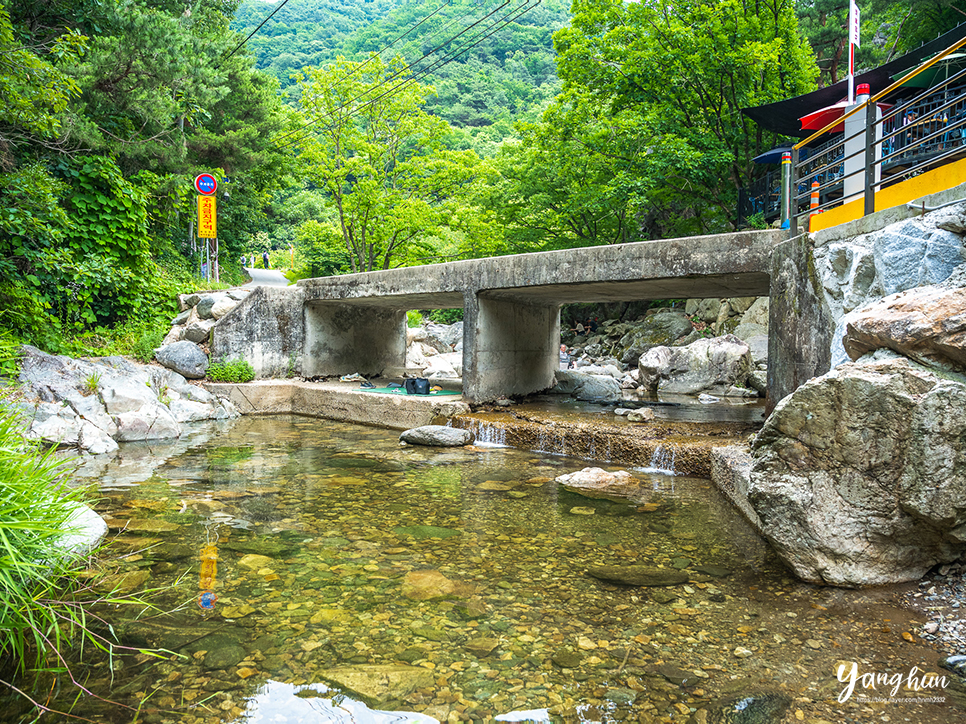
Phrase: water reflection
(336, 560)
(276, 702)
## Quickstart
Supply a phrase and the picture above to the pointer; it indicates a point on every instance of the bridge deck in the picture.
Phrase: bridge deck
(724, 265)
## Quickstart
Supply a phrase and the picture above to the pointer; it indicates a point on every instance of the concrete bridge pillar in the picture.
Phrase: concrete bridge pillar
(510, 346)
(800, 326)
(344, 338)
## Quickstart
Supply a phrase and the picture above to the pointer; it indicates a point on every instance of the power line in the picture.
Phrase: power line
(487, 32)
(403, 35)
(249, 37)
(390, 78)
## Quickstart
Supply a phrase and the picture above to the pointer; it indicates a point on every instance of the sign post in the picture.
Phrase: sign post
(207, 217)
(206, 185)
(854, 26)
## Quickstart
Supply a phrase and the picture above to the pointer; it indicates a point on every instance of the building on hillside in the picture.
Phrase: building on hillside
(920, 125)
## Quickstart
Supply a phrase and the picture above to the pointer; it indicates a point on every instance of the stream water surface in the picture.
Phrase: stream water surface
(315, 571)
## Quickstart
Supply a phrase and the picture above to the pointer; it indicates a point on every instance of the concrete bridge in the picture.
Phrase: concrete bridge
(511, 333)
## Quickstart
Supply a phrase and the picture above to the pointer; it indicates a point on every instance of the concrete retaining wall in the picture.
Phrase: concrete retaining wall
(339, 401)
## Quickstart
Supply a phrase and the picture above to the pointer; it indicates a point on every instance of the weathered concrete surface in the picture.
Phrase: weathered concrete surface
(799, 323)
(511, 305)
(724, 265)
(509, 348)
(267, 329)
(859, 476)
(342, 339)
(731, 473)
(339, 401)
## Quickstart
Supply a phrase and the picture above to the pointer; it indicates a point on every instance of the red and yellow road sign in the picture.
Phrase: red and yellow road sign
(207, 213)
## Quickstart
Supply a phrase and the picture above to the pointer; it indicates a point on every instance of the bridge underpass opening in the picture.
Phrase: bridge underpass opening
(367, 336)
(512, 337)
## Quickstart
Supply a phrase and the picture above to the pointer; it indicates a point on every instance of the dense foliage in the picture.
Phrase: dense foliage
(494, 78)
(366, 134)
(889, 28)
(647, 138)
(236, 370)
(393, 186)
(112, 109)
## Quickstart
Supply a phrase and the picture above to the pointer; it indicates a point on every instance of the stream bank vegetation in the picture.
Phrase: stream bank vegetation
(49, 598)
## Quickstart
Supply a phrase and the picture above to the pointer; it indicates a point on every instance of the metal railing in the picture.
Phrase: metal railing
(923, 132)
(763, 195)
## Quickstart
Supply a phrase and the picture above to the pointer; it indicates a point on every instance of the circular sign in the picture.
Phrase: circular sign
(207, 600)
(205, 184)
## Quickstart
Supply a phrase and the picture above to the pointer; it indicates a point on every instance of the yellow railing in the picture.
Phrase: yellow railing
(794, 174)
(882, 94)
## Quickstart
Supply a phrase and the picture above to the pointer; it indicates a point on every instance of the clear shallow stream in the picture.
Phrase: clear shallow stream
(293, 550)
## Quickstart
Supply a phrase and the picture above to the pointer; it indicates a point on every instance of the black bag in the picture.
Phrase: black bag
(417, 386)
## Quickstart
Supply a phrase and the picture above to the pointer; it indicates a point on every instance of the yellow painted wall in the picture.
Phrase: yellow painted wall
(938, 179)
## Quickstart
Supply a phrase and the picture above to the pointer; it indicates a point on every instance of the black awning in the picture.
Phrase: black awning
(783, 117)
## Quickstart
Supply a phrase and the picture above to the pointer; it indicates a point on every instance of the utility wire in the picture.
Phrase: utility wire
(249, 37)
(491, 29)
(390, 78)
(403, 35)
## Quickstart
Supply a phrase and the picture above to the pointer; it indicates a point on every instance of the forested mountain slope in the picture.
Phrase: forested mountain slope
(501, 68)
(304, 32)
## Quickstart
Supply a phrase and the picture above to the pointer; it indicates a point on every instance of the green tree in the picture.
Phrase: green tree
(676, 74)
(572, 180)
(112, 109)
(903, 25)
(382, 160)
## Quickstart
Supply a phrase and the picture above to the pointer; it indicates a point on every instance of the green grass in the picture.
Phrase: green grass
(136, 339)
(47, 606)
(35, 505)
(238, 370)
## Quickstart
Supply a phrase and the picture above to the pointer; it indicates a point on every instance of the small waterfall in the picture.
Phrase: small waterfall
(662, 460)
(485, 433)
(578, 441)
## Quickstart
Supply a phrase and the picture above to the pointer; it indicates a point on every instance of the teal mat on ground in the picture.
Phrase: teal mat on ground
(402, 391)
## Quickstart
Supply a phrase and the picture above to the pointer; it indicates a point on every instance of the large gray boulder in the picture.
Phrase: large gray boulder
(437, 436)
(223, 305)
(126, 394)
(927, 324)
(198, 331)
(92, 404)
(71, 430)
(449, 334)
(587, 387)
(205, 305)
(83, 531)
(859, 476)
(151, 422)
(661, 328)
(448, 365)
(185, 358)
(914, 253)
(599, 483)
(706, 310)
(716, 365)
(598, 388)
(856, 272)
